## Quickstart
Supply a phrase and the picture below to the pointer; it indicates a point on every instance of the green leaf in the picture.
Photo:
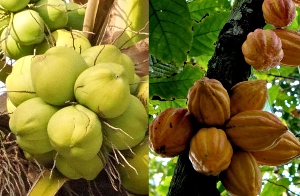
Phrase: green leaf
(159, 69)
(206, 33)
(292, 169)
(48, 184)
(202, 61)
(273, 92)
(275, 188)
(163, 105)
(295, 22)
(170, 30)
(220, 187)
(199, 9)
(175, 87)
(285, 70)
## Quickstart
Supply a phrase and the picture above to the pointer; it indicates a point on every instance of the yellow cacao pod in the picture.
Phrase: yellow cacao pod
(243, 176)
(290, 45)
(210, 151)
(248, 95)
(255, 130)
(262, 49)
(279, 13)
(209, 102)
(170, 132)
(286, 150)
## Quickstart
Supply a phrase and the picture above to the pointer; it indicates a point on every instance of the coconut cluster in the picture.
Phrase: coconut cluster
(33, 26)
(69, 110)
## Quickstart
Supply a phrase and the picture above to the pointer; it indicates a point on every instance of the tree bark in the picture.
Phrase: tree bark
(229, 67)
(227, 64)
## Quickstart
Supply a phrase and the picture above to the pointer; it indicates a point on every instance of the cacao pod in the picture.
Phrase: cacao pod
(255, 130)
(286, 150)
(297, 2)
(248, 95)
(209, 102)
(279, 13)
(210, 151)
(262, 49)
(290, 45)
(243, 176)
(171, 131)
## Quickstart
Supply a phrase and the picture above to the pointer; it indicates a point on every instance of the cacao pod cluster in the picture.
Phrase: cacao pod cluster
(69, 110)
(228, 134)
(264, 49)
(33, 26)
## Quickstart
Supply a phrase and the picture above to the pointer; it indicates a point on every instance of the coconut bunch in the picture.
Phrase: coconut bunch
(68, 110)
(32, 26)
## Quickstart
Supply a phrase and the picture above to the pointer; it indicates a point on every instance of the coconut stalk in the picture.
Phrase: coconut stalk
(95, 20)
(90, 16)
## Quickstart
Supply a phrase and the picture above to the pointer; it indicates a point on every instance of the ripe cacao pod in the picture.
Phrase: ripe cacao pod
(243, 176)
(290, 45)
(262, 49)
(286, 150)
(279, 13)
(209, 102)
(297, 2)
(255, 130)
(248, 95)
(210, 151)
(171, 131)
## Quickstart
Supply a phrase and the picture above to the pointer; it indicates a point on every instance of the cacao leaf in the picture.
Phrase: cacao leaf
(206, 33)
(175, 87)
(159, 69)
(170, 30)
(199, 9)
(275, 188)
(273, 92)
(163, 105)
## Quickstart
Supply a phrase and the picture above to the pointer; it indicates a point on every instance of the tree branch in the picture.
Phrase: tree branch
(227, 64)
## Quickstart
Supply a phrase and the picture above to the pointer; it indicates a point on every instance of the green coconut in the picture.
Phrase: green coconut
(10, 107)
(19, 84)
(75, 132)
(13, 49)
(76, 14)
(54, 74)
(104, 89)
(14, 5)
(29, 124)
(45, 159)
(128, 129)
(109, 54)
(136, 180)
(62, 37)
(75, 169)
(53, 12)
(27, 27)
(4, 21)
(134, 85)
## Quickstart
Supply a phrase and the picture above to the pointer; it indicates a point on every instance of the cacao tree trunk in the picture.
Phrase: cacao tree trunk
(229, 67)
